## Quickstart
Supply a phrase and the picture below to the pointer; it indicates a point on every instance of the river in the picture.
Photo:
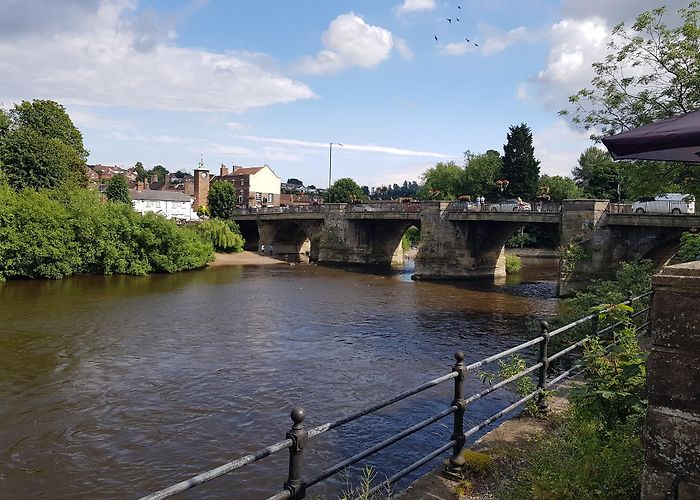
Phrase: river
(115, 386)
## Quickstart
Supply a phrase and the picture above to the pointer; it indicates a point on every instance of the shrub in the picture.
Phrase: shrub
(224, 235)
(690, 247)
(513, 264)
(53, 234)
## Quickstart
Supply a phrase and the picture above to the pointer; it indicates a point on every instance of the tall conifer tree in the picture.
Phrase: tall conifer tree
(520, 167)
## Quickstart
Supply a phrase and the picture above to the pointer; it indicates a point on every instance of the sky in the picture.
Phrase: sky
(248, 83)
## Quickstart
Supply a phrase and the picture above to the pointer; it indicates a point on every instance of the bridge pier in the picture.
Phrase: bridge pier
(460, 246)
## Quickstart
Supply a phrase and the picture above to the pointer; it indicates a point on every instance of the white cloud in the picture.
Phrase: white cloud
(371, 148)
(497, 41)
(109, 57)
(350, 41)
(415, 6)
(457, 48)
(234, 126)
(558, 147)
(575, 45)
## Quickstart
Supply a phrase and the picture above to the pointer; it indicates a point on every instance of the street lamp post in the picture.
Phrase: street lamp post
(330, 160)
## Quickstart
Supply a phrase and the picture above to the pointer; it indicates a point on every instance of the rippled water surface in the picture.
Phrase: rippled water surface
(111, 387)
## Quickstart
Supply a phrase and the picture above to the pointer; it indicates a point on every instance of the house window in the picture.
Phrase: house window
(258, 197)
(241, 182)
(270, 198)
(240, 198)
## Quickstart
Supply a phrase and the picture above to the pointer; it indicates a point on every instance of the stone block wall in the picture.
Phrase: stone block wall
(672, 427)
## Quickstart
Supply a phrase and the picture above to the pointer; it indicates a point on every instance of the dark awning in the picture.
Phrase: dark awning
(674, 139)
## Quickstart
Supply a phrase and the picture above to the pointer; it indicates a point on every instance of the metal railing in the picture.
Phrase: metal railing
(297, 438)
(527, 207)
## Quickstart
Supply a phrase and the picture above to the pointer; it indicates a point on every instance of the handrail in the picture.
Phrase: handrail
(295, 487)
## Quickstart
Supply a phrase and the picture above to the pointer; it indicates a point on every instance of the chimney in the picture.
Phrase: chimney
(189, 187)
(224, 170)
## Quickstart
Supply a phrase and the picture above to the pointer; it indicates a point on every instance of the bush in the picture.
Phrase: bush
(53, 234)
(224, 235)
(596, 452)
(513, 264)
(690, 247)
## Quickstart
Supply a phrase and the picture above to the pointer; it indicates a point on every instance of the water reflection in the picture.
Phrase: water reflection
(115, 386)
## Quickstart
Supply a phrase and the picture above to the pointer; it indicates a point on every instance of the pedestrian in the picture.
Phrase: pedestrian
(478, 202)
(262, 249)
(271, 249)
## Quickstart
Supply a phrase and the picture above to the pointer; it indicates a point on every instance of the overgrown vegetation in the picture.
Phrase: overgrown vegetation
(690, 247)
(513, 264)
(58, 233)
(410, 239)
(594, 450)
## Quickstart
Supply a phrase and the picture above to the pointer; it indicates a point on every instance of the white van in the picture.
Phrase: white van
(667, 203)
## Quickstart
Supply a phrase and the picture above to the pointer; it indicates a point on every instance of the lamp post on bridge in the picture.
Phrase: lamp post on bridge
(330, 160)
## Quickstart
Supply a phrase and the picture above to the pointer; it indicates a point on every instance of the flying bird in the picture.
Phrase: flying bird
(467, 39)
(449, 20)
(476, 44)
(459, 7)
(457, 19)
(436, 38)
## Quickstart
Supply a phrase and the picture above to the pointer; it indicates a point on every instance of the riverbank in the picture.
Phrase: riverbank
(244, 258)
(495, 458)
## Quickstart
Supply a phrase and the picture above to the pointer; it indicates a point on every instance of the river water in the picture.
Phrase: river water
(115, 386)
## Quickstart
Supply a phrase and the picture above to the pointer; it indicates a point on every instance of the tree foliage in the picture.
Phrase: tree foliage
(225, 235)
(442, 182)
(344, 190)
(58, 233)
(652, 71)
(559, 188)
(481, 171)
(222, 199)
(520, 167)
(160, 171)
(118, 189)
(598, 175)
(40, 147)
(141, 173)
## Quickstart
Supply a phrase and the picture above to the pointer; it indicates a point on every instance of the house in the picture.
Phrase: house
(171, 204)
(255, 186)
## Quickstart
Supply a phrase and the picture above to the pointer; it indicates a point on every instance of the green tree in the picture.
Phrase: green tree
(40, 147)
(118, 189)
(559, 188)
(652, 71)
(598, 175)
(520, 167)
(442, 182)
(344, 190)
(481, 172)
(222, 199)
(160, 171)
(141, 173)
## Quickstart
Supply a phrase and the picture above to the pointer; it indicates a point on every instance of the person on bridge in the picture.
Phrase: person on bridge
(478, 202)
(262, 249)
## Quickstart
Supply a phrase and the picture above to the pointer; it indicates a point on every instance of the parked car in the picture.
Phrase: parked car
(512, 205)
(667, 203)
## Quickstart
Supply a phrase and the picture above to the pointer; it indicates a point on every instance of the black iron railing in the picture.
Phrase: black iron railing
(298, 437)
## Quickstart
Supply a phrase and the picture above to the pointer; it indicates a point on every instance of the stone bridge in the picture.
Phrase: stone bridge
(462, 240)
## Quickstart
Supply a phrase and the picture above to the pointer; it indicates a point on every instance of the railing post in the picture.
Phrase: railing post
(294, 484)
(454, 468)
(595, 322)
(544, 345)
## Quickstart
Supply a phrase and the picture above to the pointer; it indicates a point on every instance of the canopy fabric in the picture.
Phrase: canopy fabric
(674, 139)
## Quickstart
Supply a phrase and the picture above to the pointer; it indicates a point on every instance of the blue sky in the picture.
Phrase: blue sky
(252, 83)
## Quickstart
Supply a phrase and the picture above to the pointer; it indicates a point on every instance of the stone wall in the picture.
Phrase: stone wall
(672, 428)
